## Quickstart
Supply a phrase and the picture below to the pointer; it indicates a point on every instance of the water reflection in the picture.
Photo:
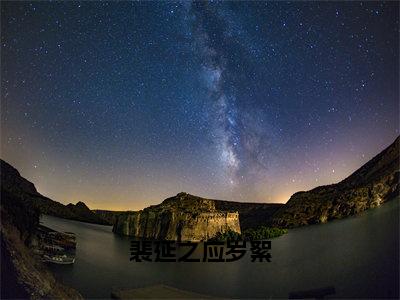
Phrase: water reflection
(358, 256)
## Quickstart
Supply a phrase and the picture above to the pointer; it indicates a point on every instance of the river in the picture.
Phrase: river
(359, 256)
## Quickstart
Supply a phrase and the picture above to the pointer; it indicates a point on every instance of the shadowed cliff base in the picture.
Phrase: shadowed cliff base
(23, 274)
(11, 288)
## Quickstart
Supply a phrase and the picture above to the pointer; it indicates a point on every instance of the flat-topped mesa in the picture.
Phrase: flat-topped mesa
(183, 217)
(185, 202)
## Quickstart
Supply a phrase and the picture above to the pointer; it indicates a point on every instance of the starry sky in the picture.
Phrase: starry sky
(122, 104)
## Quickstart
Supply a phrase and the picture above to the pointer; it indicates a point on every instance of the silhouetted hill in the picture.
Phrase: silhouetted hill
(15, 185)
(251, 215)
(23, 274)
(108, 215)
(371, 185)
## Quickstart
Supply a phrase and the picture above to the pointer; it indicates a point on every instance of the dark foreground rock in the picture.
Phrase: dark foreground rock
(15, 184)
(23, 275)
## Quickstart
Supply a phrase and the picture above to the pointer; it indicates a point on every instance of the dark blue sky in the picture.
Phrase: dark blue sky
(123, 104)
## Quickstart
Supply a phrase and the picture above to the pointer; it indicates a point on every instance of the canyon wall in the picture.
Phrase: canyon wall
(189, 217)
(183, 217)
(370, 186)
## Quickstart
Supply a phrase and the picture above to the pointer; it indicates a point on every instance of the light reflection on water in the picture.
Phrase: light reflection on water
(359, 256)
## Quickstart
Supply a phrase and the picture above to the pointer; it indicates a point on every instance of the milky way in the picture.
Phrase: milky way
(241, 136)
(122, 104)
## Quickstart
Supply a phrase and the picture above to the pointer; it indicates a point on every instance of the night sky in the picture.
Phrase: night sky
(123, 104)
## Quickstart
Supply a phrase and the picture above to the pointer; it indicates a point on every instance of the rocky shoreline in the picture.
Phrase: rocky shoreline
(33, 279)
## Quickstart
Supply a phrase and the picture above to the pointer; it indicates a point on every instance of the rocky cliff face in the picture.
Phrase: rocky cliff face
(15, 185)
(23, 274)
(188, 217)
(373, 184)
(251, 215)
(183, 217)
(13, 182)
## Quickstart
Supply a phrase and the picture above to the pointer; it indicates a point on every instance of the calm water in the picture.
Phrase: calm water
(359, 256)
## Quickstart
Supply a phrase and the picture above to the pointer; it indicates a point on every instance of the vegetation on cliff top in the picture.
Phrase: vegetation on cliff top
(263, 232)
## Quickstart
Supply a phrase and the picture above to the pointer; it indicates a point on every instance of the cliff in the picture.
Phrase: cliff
(188, 217)
(251, 215)
(370, 186)
(23, 274)
(108, 215)
(183, 217)
(13, 183)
